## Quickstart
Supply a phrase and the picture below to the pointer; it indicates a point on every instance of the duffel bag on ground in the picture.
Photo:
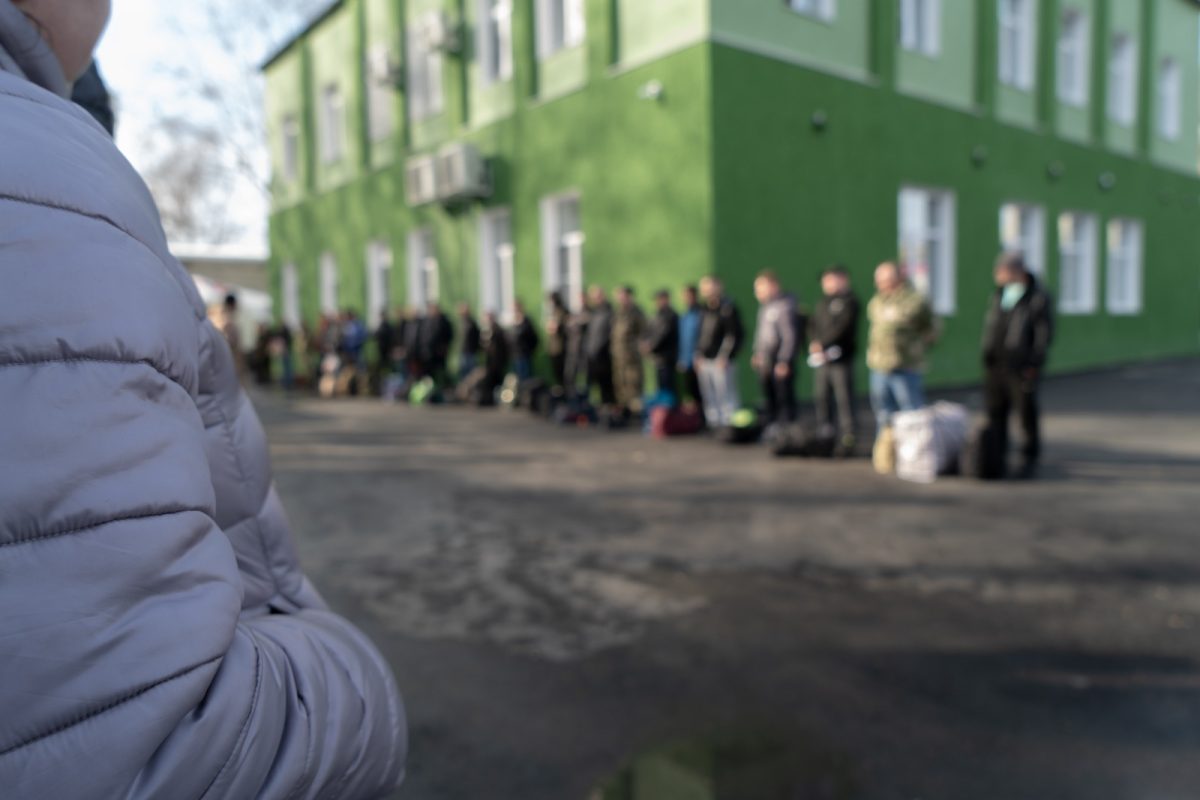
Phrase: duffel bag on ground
(803, 440)
(983, 457)
(666, 422)
(743, 429)
(929, 442)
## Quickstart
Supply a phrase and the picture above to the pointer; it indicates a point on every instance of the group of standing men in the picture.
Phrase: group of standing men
(600, 348)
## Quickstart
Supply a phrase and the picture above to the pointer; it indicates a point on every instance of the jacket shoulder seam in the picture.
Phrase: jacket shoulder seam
(58, 534)
(82, 718)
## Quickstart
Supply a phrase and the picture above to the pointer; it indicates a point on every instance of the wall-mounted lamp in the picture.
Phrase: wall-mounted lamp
(1055, 170)
(819, 120)
(653, 91)
(979, 155)
(1107, 182)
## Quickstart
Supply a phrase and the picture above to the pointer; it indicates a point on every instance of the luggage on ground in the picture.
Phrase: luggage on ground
(803, 440)
(666, 422)
(929, 442)
(983, 456)
(744, 428)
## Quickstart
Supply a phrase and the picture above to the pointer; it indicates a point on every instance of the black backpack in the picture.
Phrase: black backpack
(984, 457)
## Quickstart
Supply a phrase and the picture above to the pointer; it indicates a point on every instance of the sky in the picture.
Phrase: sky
(144, 40)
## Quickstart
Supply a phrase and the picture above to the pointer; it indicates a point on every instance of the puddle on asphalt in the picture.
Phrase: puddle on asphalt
(758, 767)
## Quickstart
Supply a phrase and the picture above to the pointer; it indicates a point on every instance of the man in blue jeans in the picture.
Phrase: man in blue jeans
(902, 328)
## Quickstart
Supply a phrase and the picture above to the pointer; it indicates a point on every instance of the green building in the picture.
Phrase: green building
(482, 150)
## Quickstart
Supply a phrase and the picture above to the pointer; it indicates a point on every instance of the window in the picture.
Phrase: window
(495, 40)
(1124, 266)
(496, 264)
(379, 278)
(562, 248)
(1170, 91)
(329, 284)
(290, 293)
(1018, 36)
(824, 10)
(333, 124)
(921, 26)
(1077, 238)
(423, 283)
(561, 24)
(927, 244)
(1122, 80)
(1023, 229)
(425, 95)
(1073, 58)
(291, 148)
(380, 97)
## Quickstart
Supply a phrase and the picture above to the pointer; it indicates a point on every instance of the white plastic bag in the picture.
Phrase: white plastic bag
(930, 441)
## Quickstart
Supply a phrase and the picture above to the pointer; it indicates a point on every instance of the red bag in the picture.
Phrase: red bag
(665, 422)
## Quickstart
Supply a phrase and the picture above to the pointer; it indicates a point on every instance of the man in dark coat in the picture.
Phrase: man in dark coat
(599, 346)
(575, 370)
(833, 348)
(524, 342)
(495, 348)
(717, 348)
(557, 327)
(468, 353)
(1017, 334)
(436, 336)
(662, 343)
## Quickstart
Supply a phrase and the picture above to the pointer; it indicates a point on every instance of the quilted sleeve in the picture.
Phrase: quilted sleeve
(123, 643)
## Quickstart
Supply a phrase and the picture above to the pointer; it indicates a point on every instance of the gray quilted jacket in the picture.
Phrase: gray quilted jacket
(157, 637)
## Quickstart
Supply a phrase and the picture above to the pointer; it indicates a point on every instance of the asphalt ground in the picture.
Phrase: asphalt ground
(558, 602)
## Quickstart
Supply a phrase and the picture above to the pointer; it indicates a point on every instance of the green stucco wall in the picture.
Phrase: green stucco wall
(795, 199)
(1176, 34)
(949, 77)
(487, 102)
(771, 28)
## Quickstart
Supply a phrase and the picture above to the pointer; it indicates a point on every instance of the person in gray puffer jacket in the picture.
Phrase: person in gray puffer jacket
(159, 639)
(776, 339)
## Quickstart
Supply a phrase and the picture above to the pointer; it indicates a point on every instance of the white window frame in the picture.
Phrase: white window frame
(928, 244)
(1023, 229)
(379, 278)
(333, 123)
(328, 273)
(1017, 46)
(497, 288)
(1074, 57)
(495, 45)
(1170, 99)
(290, 130)
(425, 77)
(823, 10)
(381, 98)
(561, 25)
(289, 292)
(1126, 239)
(424, 282)
(921, 26)
(1078, 262)
(562, 246)
(1122, 79)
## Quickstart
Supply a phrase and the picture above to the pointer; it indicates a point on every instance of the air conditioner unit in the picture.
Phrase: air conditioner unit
(421, 180)
(462, 173)
(383, 71)
(441, 33)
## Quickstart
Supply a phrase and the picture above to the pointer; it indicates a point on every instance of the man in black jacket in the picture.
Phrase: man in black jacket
(575, 368)
(436, 336)
(524, 342)
(833, 348)
(720, 341)
(662, 343)
(1017, 334)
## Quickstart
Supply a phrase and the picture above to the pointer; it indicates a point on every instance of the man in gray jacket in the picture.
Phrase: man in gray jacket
(775, 342)
(159, 639)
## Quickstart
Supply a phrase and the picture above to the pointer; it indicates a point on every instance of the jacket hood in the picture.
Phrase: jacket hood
(25, 53)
